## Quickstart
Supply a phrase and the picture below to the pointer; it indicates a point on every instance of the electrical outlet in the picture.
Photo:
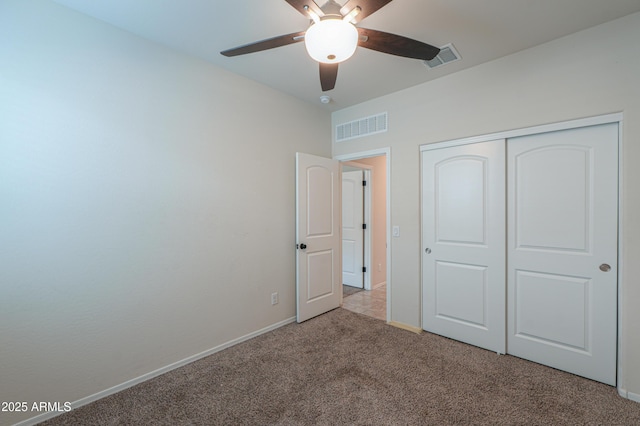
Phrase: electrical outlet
(274, 298)
(379, 267)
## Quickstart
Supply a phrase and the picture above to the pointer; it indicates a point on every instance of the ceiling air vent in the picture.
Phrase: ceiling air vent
(362, 127)
(447, 54)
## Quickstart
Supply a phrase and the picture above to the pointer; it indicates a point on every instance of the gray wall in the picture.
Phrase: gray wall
(590, 73)
(146, 204)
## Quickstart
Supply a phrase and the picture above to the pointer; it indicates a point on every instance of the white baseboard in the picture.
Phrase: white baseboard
(629, 395)
(96, 396)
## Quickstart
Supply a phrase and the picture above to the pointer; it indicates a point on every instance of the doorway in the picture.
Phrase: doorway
(365, 265)
(318, 245)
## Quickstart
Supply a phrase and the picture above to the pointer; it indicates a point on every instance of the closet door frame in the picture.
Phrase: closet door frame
(565, 125)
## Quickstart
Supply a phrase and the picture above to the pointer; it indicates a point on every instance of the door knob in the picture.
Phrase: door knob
(605, 267)
(427, 250)
(303, 246)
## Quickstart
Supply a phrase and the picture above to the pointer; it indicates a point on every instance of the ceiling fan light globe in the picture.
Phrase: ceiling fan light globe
(331, 41)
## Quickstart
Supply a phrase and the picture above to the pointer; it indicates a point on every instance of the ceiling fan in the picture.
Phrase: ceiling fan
(333, 37)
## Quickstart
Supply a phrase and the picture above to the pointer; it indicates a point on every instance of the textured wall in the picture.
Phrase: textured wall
(146, 204)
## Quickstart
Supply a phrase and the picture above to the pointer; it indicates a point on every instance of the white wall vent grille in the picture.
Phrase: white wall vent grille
(362, 127)
(447, 54)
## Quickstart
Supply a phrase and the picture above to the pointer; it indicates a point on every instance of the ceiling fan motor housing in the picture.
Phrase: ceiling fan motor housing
(331, 40)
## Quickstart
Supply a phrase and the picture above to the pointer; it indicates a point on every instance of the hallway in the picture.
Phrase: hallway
(371, 303)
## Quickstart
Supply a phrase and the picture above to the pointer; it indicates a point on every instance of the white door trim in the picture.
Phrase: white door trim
(564, 125)
(622, 344)
(375, 153)
(368, 233)
(526, 131)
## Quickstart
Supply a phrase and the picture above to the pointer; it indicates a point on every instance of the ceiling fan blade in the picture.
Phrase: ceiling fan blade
(367, 8)
(269, 43)
(394, 44)
(328, 76)
(299, 5)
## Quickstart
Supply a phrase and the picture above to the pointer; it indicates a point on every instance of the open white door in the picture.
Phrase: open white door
(318, 259)
(464, 243)
(352, 232)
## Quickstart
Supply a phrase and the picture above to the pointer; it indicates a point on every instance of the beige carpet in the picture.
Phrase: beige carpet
(345, 368)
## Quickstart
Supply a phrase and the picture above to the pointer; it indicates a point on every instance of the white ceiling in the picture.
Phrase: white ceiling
(481, 30)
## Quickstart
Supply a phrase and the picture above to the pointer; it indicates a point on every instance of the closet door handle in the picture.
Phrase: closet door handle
(605, 267)
(427, 250)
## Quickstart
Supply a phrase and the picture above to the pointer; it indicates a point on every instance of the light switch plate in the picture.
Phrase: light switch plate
(396, 231)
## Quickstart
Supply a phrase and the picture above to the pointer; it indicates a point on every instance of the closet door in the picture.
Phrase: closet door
(562, 250)
(463, 243)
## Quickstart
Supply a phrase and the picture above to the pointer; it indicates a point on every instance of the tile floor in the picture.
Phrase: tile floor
(371, 303)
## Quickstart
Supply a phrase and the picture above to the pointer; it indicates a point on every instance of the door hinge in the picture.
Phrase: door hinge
(364, 269)
(364, 226)
(364, 183)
